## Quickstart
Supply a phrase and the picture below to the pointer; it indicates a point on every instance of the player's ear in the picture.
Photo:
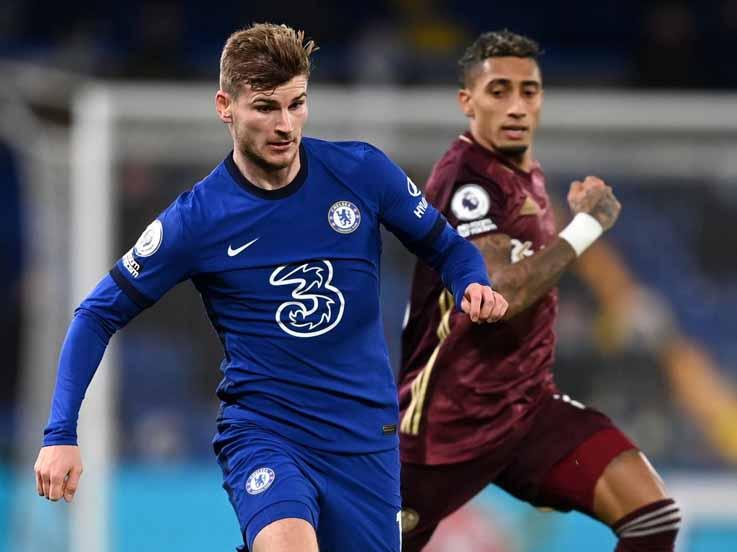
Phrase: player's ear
(224, 106)
(465, 101)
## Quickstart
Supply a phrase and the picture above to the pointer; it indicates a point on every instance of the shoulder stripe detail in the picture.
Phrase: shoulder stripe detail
(136, 296)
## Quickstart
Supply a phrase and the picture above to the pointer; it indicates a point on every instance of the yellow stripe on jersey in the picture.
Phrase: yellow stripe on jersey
(411, 420)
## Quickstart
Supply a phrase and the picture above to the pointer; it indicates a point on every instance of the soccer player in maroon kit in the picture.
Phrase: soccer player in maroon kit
(478, 402)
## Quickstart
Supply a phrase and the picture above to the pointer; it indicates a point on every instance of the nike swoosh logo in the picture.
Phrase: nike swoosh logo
(233, 252)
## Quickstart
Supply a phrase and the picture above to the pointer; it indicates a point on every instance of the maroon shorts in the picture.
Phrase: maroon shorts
(555, 465)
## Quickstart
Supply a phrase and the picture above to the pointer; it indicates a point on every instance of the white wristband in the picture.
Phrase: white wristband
(581, 232)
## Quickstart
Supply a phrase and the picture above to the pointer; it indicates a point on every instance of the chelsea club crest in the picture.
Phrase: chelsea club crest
(260, 480)
(344, 217)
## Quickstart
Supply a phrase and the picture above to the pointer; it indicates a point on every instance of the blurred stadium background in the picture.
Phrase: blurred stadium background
(106, 114)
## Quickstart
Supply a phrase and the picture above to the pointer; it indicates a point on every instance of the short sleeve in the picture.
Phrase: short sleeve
(158, 261)
(476, 208)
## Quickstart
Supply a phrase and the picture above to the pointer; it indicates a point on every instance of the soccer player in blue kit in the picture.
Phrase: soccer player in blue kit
(282, 240)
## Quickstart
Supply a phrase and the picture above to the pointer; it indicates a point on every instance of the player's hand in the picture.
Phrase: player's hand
(483, 304)
(58, 469)
(594, 197)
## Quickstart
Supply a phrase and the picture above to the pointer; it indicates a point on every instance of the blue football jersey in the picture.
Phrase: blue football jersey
(290, 281)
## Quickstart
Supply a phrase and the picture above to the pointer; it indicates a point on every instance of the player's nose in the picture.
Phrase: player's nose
(284, 123)
(517, 107)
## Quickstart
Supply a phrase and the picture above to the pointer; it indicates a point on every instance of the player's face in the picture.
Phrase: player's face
(503, 101)
(267, 125)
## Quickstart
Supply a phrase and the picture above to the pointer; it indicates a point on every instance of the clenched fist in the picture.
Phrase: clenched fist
(594, 197)
(483, 304)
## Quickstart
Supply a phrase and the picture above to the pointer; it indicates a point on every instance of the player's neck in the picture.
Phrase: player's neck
(262, 177)
(523, 162)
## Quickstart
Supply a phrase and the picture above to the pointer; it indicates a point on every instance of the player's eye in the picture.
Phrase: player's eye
(530, 92)
(263, 108)
(297, 104)
(497, 92)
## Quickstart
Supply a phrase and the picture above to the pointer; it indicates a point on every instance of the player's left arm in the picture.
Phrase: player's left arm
(424, 231)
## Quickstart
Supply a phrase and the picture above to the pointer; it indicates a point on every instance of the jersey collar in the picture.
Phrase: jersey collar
(468, 138)
(281, 193)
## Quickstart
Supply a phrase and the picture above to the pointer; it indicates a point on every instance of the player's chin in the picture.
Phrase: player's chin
(279, 158)
(512, 148)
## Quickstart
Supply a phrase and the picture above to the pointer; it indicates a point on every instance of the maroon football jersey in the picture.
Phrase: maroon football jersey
(467, 388)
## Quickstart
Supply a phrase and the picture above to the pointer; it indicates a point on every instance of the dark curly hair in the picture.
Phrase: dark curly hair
(503, 43)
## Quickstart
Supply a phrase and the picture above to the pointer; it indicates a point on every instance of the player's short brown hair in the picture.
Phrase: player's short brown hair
(495, 44)
(264, 56)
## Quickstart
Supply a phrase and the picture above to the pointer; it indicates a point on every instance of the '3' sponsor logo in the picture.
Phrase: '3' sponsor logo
(316, 306)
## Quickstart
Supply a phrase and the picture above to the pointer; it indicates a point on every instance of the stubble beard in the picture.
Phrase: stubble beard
(514, 151)
(250, 153)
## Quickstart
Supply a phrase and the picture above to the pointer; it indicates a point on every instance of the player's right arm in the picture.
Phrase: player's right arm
(527, 280)
(158, 261)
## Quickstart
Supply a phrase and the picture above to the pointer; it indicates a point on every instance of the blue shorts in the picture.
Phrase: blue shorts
(352, 500)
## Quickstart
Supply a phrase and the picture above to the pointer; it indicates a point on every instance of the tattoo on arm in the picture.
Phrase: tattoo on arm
(600, 203)
(524, 282)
